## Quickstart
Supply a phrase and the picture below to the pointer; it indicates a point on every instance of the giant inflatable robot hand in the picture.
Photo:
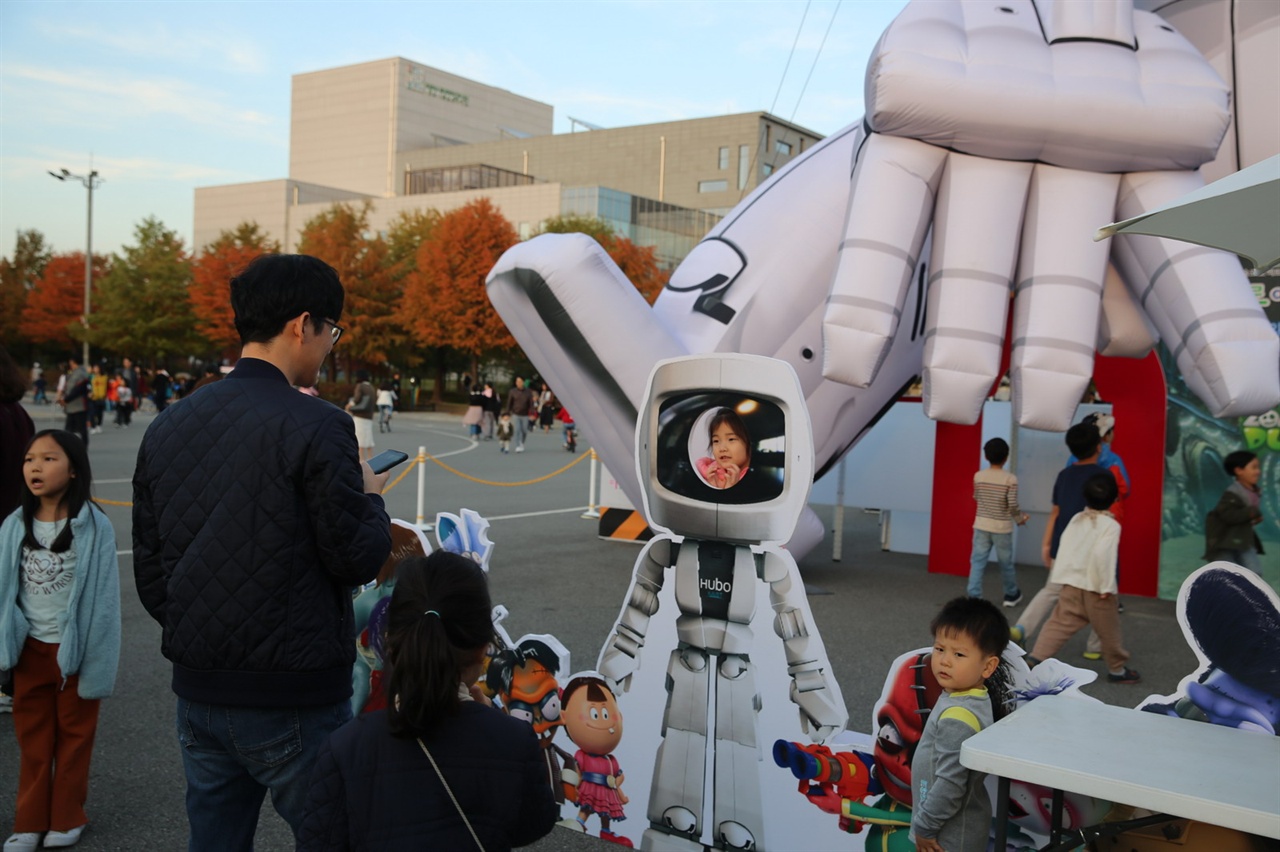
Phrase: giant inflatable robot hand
(1010, 136)
(1015, 130)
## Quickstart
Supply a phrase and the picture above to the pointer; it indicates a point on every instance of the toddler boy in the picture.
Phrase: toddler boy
(995, 490)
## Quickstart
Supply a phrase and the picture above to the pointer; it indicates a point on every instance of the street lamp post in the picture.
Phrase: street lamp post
(89, 181)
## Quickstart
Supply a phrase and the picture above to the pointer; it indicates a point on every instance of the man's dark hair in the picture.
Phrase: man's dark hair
(275, 288)
(1083, 440)
(1238, 459)
(1100, 492)
(996, 450)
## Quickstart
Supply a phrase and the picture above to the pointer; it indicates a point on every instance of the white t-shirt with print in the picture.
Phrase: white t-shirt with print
(45, 588)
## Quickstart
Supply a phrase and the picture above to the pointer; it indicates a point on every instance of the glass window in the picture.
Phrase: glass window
(724, 158)
(781, 147)
(713, 185)
(766, 169)
(744, 165)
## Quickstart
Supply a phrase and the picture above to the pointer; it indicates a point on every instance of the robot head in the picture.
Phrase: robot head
(724, 448)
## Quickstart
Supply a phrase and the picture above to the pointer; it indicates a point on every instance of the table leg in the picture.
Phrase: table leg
(1056, 826)
(1002, 813)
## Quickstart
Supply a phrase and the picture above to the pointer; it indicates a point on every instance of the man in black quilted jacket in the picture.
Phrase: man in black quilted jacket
(252, 520)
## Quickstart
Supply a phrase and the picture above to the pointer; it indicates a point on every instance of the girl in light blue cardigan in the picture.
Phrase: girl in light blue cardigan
(59, 634)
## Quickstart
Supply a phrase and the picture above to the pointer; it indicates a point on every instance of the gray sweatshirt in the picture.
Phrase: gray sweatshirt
(951, 803)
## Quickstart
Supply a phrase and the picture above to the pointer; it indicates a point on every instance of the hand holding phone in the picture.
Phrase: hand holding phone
(384, 461)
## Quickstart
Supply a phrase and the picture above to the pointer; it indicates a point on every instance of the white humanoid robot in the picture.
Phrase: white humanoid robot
(724, 452)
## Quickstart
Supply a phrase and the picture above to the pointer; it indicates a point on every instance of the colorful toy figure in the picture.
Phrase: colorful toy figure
(523, 677)
(594, 723)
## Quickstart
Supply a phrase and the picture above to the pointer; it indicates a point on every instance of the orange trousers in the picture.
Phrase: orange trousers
(55, 729)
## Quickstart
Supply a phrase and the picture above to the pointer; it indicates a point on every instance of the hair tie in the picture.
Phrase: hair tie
(433, 612)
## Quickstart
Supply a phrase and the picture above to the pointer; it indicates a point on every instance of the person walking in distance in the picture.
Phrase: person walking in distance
(247, 555)
(519, 405)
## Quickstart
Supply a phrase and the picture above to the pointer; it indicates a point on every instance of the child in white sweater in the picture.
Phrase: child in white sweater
(1086, 568)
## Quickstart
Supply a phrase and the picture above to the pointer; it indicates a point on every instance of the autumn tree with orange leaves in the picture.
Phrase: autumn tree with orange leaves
(339, 236)
(55, 305)
(18, 275)
(211, 274)
(445, 302)
(638, 263)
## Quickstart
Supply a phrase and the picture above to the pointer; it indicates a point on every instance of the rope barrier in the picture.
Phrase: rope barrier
(475, 479)
(421, 460)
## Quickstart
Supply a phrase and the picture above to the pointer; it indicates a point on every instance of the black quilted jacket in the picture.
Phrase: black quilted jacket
(372, 792)
(250, 526)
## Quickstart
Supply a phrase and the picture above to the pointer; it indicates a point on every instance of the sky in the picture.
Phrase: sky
(163, 97)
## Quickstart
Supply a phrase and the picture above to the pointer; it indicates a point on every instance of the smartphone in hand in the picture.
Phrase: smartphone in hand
(384, 461)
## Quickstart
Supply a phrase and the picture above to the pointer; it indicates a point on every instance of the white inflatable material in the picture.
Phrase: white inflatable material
(996, 142)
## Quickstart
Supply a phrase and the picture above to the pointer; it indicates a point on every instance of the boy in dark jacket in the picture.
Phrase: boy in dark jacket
(252, 520)
(1229, 528)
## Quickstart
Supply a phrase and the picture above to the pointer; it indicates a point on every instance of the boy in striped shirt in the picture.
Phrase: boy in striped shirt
(995, 490)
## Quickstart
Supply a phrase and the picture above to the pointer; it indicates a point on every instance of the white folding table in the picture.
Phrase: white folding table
(1193, 770)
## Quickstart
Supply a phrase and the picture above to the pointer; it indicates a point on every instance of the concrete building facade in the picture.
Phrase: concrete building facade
(402, 135)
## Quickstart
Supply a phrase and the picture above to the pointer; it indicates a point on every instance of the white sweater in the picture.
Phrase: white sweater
(1087, 553)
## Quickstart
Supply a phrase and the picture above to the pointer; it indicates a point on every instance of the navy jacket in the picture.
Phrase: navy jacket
(372, 791)
(250, 527)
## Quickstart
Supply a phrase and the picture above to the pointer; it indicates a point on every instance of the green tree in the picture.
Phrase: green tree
(18, 275)
(143, 307)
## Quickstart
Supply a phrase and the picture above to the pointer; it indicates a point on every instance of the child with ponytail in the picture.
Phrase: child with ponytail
(439, 767)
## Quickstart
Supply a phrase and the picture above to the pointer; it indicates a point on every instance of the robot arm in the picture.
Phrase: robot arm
(813, 687)
(620, 656)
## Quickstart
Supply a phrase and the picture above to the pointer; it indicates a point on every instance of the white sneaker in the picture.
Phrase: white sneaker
(519, 449)
(6, 704)
(25, 841)
(60, 839)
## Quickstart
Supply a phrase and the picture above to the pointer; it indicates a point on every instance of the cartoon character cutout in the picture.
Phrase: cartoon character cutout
(465, 533)
(522, 675)
(594, 723)
(1231, 619)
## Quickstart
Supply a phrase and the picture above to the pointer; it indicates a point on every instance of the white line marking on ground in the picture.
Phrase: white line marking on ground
(537, 514)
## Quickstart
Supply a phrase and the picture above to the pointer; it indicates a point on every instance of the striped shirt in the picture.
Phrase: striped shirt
(995, 490)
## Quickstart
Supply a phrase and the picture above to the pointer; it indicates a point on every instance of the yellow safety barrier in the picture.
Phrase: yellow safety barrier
(421, 460)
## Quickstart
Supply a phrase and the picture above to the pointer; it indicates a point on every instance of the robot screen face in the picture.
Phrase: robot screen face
(721, 447)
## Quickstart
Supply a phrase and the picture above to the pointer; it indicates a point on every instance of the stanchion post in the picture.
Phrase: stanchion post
(593, 511)
(421, 523)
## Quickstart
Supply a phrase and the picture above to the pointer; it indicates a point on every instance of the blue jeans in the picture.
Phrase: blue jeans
(522, 427)
(983, 543)
(233, 755)
(1244, 558)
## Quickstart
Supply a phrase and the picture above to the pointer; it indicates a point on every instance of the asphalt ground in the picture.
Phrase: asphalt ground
(554, 575)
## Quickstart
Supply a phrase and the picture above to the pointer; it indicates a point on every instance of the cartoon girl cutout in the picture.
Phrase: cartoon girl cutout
(594, 723)
(728, 448)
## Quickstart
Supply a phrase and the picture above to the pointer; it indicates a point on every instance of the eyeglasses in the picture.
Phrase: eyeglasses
(337, 330)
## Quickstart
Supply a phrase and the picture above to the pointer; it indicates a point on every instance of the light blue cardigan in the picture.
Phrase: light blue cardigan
(90, 643)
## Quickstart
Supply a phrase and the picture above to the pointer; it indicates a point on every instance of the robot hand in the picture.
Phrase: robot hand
(1059, 118)
(820, 716)
(618, 661)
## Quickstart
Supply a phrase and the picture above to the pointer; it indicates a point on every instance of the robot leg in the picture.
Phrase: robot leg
(675, 799)
(737, 816)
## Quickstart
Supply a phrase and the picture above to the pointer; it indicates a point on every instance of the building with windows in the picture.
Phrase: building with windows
(402, 135)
